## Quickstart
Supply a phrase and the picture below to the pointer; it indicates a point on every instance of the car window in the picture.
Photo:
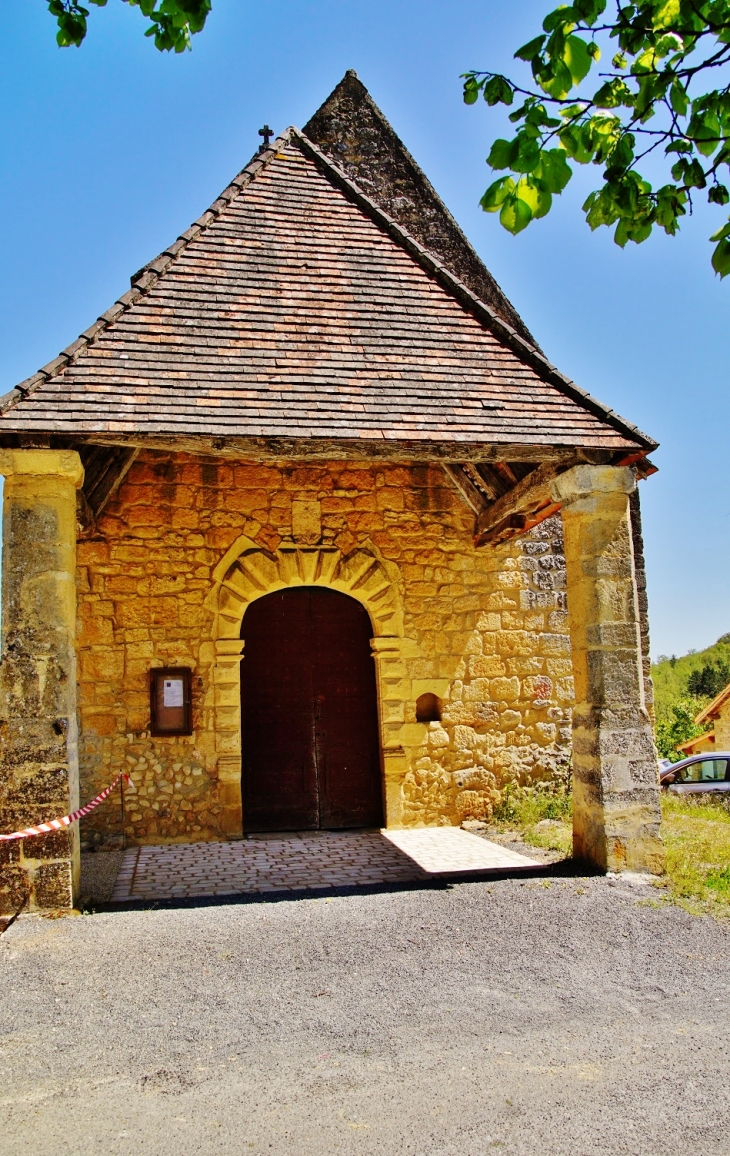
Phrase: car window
(704, 771)
(690, 774)
(713, 770)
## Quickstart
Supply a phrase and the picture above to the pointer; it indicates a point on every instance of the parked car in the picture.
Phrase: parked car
(698, 775)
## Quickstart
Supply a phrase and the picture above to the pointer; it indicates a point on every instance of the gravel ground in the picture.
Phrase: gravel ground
(543, 1016)
(99, 870)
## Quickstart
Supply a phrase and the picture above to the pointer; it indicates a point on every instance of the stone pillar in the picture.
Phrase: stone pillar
(227, 690)
(615, 790)
(38, 730)
(393, 690)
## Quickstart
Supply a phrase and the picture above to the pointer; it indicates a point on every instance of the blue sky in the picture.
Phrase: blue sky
(110, 151)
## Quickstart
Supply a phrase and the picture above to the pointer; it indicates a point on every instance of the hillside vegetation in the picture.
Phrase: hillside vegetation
(671, 675)
(682, 687)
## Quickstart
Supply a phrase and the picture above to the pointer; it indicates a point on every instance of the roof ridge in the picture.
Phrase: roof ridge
(147, 277)
(484, 313)
(385, 169)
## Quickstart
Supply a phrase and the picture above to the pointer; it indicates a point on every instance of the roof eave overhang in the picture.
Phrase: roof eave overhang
(318, 448)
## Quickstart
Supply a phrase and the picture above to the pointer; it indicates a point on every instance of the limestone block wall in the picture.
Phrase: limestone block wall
(508, 696)
(483, 629)
(722, 729)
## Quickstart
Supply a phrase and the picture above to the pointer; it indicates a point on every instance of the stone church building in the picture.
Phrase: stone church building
(306, 532)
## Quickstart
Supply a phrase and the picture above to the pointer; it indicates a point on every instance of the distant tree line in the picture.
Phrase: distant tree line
(709, 681)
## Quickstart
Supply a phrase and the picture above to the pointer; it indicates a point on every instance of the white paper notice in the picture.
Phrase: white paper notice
(172, 694)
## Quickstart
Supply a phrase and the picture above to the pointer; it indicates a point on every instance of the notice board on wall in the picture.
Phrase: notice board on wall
(170, 704)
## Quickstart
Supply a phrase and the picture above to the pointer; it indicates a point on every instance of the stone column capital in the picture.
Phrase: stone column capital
(42, 463)
(587, 481)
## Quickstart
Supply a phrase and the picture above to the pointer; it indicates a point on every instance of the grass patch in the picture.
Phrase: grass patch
(544, 818)
(696, 835)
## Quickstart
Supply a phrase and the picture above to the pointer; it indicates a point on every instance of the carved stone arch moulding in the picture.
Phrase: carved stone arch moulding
(248, 572)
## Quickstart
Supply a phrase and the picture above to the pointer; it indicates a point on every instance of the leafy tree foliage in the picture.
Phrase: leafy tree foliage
(709, 681)
(655, 98)
(677, 726)
(173, 21)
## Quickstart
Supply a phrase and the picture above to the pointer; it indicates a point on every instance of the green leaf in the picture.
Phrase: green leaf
(613, 94)
(679, 146)
(623, 154)
(553, 171)
(173, 22)
(571, 139)
(503, 153)
(679, 99)
(628, 230)
(718, 195)
(589, 10)
(705, 130)
(498, 90)
(721, 258)
(559, 17)
(538, 200)
(471, 90)
(670, 207)
(528, 155)
(600, 209)
(497, 193)
(694, 177)
(578, 58)
(556, 80)
(666, 14)
(721, 234)
(531, 49)
(516, 214)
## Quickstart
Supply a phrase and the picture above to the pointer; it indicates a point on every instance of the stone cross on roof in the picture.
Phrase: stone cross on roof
(267, 134)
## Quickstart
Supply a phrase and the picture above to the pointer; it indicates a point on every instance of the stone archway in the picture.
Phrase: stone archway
(248, 572)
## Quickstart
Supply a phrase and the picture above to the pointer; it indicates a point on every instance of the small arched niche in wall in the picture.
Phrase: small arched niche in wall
(428, 708)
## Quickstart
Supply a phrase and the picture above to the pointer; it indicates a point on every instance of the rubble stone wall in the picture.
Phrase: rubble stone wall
(483, 629)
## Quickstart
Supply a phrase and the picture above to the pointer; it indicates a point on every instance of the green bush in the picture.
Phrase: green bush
(676, 725)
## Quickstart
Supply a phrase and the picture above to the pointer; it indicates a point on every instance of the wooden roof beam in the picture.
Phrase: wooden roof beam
(105, 468)
(526, 504)
(472, 496)
(341, 449)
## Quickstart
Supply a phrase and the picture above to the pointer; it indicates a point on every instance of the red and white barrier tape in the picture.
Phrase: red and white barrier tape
(67, 820)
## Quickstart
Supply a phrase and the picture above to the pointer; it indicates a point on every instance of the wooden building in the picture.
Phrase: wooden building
(305, 531)
(716, 715)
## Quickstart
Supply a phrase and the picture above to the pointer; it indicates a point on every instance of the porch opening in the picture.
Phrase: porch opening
(311, 752)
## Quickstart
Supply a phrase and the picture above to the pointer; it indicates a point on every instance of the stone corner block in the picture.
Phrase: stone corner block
(42, 463)
(582, 481)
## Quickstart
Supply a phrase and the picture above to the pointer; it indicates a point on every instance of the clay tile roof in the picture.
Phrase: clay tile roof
(296, 307)
(352, 131)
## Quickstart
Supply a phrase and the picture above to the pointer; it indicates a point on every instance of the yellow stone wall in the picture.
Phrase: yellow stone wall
(722, 729)
(484, 629)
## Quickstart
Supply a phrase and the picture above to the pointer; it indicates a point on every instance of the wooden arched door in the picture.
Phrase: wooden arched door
(311, 755)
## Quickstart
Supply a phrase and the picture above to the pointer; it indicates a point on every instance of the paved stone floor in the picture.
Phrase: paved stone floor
(310, 860)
